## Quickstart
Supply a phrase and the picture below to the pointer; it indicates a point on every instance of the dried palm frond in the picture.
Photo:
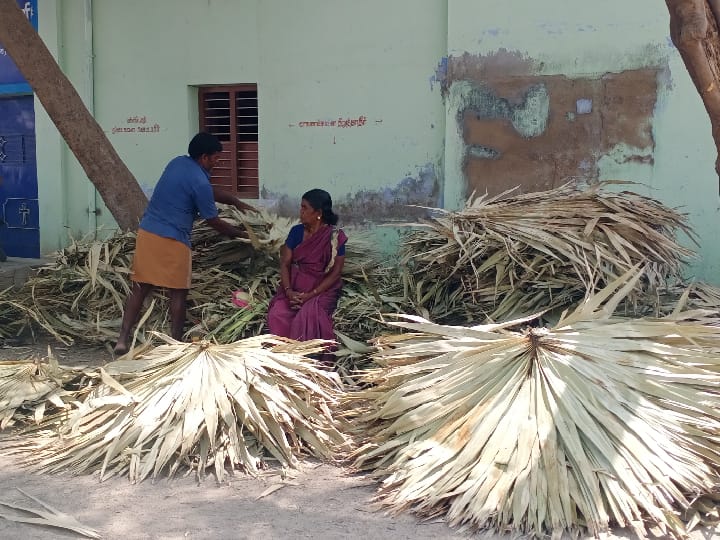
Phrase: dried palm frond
(352, 357)
(699, 297)
(215, 315)
(28, 386)
(47, 517)
(196, 404)
(267, 232)
(695, 296)
(15, 318)
(547, 430)
(361, 305)
(81, 293)
(704, 296)
(229, 323)
(512, 255)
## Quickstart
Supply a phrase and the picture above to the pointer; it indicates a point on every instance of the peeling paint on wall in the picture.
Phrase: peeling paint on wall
(376, 205)
(440, 75)
(517, 128)
(392, 203)
(502, 64)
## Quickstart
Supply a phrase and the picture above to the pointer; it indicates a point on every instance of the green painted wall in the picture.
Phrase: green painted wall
(312, 60)
(323, 60)
(52, 187)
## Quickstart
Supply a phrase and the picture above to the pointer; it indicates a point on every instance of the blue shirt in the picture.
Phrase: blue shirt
(182, 194)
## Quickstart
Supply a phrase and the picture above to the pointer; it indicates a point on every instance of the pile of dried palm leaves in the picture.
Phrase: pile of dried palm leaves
(81, 295)
(498, 258)
(511, 255)
(199, 405)
(547, 430)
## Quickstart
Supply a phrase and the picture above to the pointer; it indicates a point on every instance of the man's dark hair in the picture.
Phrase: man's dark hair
(204, 143)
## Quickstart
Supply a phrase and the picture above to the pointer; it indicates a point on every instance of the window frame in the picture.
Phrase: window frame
(237, 170)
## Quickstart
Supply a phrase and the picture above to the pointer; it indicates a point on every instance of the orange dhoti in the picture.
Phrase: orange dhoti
(160, 261)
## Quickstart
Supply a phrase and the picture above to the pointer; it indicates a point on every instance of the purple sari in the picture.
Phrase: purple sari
(314, 318)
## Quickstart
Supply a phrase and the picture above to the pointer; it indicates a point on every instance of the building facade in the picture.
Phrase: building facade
(383, 103)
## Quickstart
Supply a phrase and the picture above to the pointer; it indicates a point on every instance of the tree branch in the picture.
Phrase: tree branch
(694, 31)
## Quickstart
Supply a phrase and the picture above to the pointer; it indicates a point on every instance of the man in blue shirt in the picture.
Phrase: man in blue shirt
(162, 251)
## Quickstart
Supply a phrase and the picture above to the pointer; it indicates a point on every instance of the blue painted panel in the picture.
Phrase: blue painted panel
(10, 77)
(19, 215)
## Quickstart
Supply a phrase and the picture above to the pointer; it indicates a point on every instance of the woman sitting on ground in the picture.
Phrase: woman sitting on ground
(311, 263)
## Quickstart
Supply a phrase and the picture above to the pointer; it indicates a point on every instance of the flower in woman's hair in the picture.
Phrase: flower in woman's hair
(240, 298)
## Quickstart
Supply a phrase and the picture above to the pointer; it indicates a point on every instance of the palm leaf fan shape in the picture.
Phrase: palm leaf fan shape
(594, 421)
(200, 404)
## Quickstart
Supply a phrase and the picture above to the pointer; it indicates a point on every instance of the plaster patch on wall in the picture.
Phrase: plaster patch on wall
(378, 205)
(535, 131)
(621, 154)
(627, 162)
(490, 33)
(147, 189)
(555, 28)
(528, 116)
(583, 106)
(482, 152)
(280, 203)
(530, 119)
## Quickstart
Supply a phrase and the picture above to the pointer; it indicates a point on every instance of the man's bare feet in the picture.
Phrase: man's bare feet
(120, 349)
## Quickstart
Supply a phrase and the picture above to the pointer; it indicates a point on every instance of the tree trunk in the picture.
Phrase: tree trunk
(87, 141)
(694, 31)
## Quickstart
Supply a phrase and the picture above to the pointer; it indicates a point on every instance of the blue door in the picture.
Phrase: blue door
(19, 216)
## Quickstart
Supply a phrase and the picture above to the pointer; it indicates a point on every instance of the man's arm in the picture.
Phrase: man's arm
(223, 227)
(225, 197)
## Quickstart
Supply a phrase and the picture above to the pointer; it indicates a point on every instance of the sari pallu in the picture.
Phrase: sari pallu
(313, 320)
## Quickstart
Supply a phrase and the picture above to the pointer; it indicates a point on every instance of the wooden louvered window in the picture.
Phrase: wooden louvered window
(231, 114)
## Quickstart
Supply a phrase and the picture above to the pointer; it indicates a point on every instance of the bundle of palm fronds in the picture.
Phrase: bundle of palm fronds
(81, 293)
(596, 420)
(199, 404)
(28, 386)
(511, 255)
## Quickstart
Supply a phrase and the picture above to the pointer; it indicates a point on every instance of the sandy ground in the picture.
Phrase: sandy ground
(321, 501)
